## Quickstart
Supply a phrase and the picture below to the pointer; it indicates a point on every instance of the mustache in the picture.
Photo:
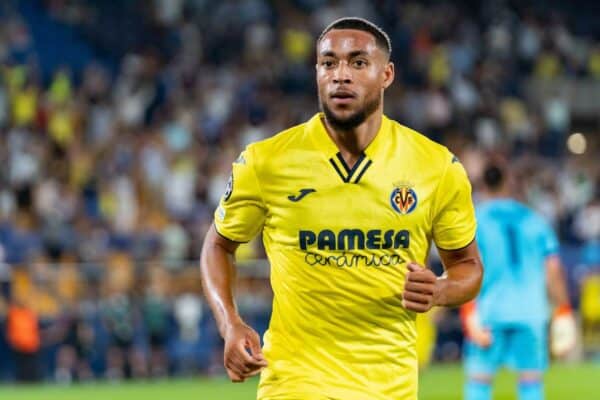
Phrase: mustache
(342, 92)
(352, 121)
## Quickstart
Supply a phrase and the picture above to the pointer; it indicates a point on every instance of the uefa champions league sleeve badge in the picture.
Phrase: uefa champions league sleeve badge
(228, 188)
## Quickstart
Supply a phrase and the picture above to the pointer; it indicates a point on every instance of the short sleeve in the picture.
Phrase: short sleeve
(241, 212)
(550, 244)
(454, 222)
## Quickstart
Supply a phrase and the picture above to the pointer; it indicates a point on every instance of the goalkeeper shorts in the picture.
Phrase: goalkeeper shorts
(519, 347)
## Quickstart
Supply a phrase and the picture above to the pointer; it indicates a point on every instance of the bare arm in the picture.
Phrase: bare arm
(563, 329)
(462, 278)
(555, 281)
(218, 279)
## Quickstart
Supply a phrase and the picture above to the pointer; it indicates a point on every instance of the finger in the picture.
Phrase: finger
(236, 365)
(261, 363)
(253, 372)
(235, 358)
(418, 287)
(421, 276)
(416, 307)
(249, 362)
(244, 362)
(247, 371)
(417, 297)
(253, 343)
(414, 267)
(247, 359)
(484, 339)
(235, 377)
(488, 338)
(488, 334)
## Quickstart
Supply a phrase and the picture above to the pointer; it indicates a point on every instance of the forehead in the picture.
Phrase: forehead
(342, 41)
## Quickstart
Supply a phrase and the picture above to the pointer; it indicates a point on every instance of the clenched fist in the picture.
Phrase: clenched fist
(419, 289)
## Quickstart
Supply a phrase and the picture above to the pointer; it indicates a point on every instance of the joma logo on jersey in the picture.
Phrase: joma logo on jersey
(354, 239)
(403, 199)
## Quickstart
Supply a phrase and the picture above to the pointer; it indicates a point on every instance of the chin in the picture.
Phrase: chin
(346, 117)
(342, 111)
(343, 115)
(344, 121)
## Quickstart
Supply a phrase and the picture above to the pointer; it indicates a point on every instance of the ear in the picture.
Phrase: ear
(388, 75)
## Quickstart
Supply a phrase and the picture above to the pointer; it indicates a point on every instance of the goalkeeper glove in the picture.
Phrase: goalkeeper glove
(563, 331)
(472, 327)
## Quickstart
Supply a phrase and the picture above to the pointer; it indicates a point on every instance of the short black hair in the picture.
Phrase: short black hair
(381, 38)
(493, 176)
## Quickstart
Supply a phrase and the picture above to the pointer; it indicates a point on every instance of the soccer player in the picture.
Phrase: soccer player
(348, 204)
(507, 322)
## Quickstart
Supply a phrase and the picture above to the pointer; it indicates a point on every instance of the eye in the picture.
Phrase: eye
(327, 63)
(359, 63)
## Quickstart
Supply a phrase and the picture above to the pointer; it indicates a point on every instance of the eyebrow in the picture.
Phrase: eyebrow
(352, 54)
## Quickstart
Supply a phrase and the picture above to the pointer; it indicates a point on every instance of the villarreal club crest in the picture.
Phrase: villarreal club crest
(403, 198)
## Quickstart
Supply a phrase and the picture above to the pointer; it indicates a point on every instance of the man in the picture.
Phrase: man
(23, 336)
(507, 322)
(348, 203)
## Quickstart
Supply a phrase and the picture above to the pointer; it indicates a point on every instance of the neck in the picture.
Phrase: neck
(353, 142)
(497, 194)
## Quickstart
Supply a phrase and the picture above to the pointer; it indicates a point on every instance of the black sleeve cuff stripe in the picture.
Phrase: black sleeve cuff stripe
(225, 237)
(459, 248)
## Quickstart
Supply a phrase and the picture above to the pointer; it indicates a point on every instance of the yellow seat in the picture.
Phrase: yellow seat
(590, 300)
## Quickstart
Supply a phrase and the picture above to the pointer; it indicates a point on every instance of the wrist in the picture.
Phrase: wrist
(562, 310)
(438, 292)
(228, 323)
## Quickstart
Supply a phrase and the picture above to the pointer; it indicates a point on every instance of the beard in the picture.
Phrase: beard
(353, 120)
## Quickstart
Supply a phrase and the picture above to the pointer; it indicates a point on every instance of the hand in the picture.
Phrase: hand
(563, 332)
(478, 334)
(419, 289)
(242, 356)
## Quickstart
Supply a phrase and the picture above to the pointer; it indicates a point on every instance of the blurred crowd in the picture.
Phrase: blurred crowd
(111, 170)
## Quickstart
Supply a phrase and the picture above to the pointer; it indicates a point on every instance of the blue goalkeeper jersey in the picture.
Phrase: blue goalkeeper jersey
(514, 242)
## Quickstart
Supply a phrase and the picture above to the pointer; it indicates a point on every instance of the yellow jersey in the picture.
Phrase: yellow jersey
(338, 240)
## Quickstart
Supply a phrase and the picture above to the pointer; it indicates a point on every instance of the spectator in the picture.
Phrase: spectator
(129, 151)
(23, 335)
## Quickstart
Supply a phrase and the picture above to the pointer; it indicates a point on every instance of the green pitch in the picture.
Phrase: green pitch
(437, 383)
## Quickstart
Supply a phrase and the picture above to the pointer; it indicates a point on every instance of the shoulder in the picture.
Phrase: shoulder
(535, 219)
(526, 212)
(505, 206)
(270, 154)
(261, 154)
(483, 208)
(489, 212)
(435, 154)
(432, 160)
(280, 141)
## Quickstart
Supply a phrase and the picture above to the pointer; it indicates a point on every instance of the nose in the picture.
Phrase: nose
(342, 74)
